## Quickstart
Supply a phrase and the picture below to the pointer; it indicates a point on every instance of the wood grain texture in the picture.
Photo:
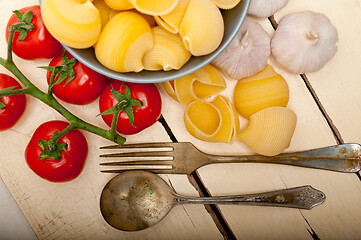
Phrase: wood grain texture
(338, 216)
(71, 210)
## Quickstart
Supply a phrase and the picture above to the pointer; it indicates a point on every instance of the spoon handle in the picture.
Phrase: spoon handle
(304, 197)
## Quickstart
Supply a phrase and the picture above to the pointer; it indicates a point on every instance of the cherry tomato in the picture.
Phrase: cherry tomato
(83, 89)
(144, 117)
(72, 161)
(39, 43)
(15, 104)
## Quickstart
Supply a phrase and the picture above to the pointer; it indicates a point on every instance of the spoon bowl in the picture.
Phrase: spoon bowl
(135, 200)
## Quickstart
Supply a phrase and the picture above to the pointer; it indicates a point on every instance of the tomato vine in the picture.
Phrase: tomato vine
(48, 98)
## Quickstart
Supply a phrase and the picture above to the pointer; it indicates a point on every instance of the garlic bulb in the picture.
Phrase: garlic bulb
(247, 54)
(265, 8)
(304, 42)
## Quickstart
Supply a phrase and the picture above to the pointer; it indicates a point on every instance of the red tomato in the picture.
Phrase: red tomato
(15, 104)
(39, 43)
(144, 117)
(83, 89)
(72, 161)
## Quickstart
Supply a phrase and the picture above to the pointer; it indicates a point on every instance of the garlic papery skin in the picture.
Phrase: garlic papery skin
(265, 8)
(304, 42)
(248, 52)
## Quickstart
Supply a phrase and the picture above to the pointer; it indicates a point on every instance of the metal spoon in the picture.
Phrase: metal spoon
(135, 200)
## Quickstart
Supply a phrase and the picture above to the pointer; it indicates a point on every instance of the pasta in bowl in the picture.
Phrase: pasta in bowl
(142, 49)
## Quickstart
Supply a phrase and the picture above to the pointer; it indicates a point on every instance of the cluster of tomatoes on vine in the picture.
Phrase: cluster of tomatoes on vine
(73, 83)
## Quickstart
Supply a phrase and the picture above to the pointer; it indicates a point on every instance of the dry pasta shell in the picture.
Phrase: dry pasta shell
(214, 121)
(169, 88)
(77, 25)
(184, 89)
(119, 5)
(201, 84)
(106, 13)
(172, 21)
(269, 131)
(209, 82)
(264, 89)
(167, 53)
(226, 4)
(202, 28)
(154, 7)
(123, 42)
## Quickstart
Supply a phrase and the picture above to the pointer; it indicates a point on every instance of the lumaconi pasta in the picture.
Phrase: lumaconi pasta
(167, 53)
(123, 42)
(269, 131)
(106, 13)
(202, 119)
(264, 89)
(210, 82)
(75, 24)
(154, 7)
(201, 84)
(229, 126)
(226, 4)
(120, 5)
(184, 89)
(202, 28)
(172, 21)
(150, 19)
(214, 121)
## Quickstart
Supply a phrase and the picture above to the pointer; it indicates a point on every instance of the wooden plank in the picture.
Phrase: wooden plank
(336, 218)
(71, 210)
(341, 98)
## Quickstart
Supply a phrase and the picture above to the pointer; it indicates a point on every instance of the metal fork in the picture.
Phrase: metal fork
(184, 158)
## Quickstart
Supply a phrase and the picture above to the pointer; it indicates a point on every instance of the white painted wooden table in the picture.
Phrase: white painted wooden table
(328, 107)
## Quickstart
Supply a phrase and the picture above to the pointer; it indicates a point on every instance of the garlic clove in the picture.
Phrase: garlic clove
(247, 54)
(304, 42)
(265, 8)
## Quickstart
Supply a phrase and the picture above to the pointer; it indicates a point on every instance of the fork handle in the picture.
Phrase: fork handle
(305, 197)
(341, 158)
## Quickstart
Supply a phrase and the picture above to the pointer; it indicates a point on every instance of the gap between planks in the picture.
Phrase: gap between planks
(197, 183)
(336, 133)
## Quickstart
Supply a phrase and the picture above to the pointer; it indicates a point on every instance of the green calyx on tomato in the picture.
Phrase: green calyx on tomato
(29, 37)
(65, 70)
(2, 105)
(71, 161)
(24, 26)
(51, 149)
(125, 103)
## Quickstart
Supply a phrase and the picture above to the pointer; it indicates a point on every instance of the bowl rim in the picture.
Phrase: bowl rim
(137, 78)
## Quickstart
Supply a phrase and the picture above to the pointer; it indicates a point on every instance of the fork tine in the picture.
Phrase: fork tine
(142, 167)
(157, 171)
(138, 154)
(140, 145)
(137, 162)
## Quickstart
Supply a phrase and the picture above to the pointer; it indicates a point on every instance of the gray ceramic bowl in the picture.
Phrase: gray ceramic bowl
(233, 20)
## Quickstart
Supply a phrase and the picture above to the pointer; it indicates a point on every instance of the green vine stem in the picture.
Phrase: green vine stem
(48, 99)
